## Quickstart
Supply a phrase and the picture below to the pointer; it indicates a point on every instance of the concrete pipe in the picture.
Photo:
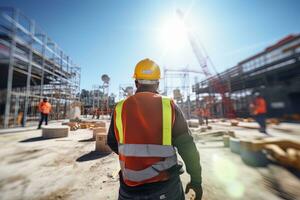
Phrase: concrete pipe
(226, 139)
(252, 154)
(55, 131)
(234, 144)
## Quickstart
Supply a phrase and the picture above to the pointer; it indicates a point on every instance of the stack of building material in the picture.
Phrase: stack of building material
(274, 121)
(84, 125)
(55, 131)
(234, 122)
(99, 124)
(249, 119)
(286, 153)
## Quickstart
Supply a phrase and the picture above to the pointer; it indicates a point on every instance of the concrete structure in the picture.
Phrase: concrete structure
(55, 131)
(32, 66)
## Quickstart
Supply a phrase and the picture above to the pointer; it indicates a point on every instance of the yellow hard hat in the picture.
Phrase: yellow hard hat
(147, 70)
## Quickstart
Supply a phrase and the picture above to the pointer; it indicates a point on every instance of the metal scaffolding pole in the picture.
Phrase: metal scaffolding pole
(10, 69)
(29, 74)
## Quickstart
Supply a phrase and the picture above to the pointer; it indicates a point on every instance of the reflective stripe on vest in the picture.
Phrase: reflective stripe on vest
(149, 172)
(147, 150)
(167, 121)
(119, 124)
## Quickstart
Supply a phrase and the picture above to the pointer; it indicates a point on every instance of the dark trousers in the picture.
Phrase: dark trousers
(261, 120)
(44, 117)
(201, 120)
(171, 191)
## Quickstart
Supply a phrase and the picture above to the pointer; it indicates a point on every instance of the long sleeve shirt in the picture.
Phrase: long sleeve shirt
(182, 140)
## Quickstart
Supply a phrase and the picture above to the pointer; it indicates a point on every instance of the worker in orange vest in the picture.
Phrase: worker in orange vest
(144, 131)
(259, 110)
(206, 115)
(45, 109)
(200, 115)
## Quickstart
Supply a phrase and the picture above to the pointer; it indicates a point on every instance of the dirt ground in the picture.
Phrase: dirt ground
(69, 168)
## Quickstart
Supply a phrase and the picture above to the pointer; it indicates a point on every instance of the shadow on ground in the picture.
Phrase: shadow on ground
(93, 155)
(87, 140)
(35, 139)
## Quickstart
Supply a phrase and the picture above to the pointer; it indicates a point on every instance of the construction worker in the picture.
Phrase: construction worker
(200, 115)
(206, 115)
(259, 110)
(45, 109)
(144, 130)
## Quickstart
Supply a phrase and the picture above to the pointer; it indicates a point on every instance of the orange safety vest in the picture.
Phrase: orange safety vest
(45, 107)
(260, 106)
(143, 128)
(206, 112)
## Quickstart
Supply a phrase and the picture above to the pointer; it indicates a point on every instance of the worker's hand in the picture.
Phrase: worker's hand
(197, 187)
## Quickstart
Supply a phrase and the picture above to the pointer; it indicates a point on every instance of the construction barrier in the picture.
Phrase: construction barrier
(53, 131)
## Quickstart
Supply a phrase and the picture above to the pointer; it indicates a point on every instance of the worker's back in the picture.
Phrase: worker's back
(142, 113)
(144, 136)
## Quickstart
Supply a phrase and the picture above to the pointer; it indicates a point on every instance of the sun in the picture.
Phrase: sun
(172, 34)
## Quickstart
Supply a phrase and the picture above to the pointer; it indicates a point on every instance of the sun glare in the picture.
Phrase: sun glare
(173, 34)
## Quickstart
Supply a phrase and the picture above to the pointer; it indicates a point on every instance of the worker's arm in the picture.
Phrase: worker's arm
(183, 141)
(111, 138)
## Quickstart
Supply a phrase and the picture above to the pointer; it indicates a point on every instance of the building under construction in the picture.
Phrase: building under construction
(274, 72)
(32, 66)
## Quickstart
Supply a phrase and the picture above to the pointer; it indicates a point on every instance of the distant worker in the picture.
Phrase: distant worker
(144, 131)
(206, 115)
(45, 109)
(200, 115)
(259, 109)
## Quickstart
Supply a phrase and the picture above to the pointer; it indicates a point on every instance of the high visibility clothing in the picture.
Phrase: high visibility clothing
(45, 107)
(143, 128)
(260, 106)
(147, 70)
(203, 112)
(206, 112)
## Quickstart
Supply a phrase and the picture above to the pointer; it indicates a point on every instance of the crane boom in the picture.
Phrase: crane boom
(214, 80)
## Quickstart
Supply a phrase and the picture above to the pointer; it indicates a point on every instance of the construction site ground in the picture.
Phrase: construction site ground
(68, 168)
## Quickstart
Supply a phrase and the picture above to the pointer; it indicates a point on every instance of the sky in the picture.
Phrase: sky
(110, 37)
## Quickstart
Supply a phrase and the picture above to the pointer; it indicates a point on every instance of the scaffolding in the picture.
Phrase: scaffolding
(177, 84)
(32, 67)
